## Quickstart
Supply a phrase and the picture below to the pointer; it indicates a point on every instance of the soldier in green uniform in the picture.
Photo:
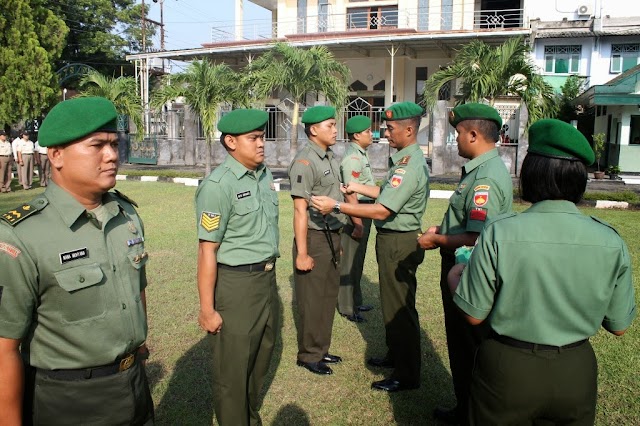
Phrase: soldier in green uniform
(355, 167)
(565, 275)
(72, 289)
(237, 220)
(316, 245)
(5, 163)
(485, 190)
(397, 214)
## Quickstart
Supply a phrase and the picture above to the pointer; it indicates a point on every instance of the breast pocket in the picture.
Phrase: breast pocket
(247, 206)
(80, 296)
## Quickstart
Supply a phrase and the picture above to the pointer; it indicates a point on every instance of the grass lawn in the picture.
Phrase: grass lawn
(179, 362)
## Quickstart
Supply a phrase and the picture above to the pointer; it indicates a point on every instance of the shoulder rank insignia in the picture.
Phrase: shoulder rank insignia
(124, 197)
(15, 216)
(404, 160)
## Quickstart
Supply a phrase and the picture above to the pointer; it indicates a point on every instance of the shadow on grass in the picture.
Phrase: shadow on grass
(291, 414)
(188, 399)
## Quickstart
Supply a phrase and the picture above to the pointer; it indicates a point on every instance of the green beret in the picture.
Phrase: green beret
(358, 123)
(76, 118)
(558, 139)
(240, 121)
(402, 111)
(474, 112)
(318, 113)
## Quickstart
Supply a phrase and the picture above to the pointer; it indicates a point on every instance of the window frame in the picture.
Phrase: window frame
(554, 53)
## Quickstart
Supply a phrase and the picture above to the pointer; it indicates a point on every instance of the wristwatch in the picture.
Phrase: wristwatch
(336, 208)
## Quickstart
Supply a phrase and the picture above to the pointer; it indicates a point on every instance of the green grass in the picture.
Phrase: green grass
(179, 362)
(627, 195)
(163, 173)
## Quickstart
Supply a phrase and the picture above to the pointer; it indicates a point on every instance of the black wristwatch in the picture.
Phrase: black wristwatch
(336, 208)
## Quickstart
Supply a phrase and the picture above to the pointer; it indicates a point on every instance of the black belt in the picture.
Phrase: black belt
(510, 341)
(393, 231)
(253, 267)
(27, 153)
(5, 155)
(121, 365)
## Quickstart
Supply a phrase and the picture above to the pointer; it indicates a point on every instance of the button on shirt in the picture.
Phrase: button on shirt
(405, 190)
(315, 171)
(80, 278)
(238, 208)
(549, 275)
(355, 167)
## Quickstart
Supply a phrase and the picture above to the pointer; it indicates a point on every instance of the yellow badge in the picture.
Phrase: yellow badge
(404, 160)
(400, 171)
(482, 188)
(210, 221)
(12, 217)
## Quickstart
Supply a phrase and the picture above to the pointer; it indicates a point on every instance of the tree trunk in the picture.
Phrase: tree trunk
(293, 148)
(207, 169)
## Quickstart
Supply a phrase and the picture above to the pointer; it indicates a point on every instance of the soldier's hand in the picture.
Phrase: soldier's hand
(304, 262)
(427, 241)
(323, 204)
(210, 321)
(358, 232)
(434, 230)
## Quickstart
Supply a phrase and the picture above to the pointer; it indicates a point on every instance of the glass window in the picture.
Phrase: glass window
(624, 57)
(562, 59)
(372, 17)
(421, 78)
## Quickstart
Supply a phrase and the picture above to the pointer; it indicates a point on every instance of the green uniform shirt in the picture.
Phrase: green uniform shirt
(485, 191)
(315, 172)
(71, 289)
(550, 275)
(238, 208)
(355, 167)
(405, 190)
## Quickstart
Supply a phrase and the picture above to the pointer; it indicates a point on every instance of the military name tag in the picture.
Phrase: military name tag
(326, 172)
(244, 194)
(135, 241)
(74, 255)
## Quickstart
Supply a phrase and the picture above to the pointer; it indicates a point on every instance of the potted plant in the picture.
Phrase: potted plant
(598, 150)
(613, 172)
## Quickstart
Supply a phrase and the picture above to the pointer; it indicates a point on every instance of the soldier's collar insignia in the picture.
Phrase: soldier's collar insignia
(404, 160)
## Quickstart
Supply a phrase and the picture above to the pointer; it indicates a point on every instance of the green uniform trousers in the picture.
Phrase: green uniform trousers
(463, 339)
(399, 256)
(119, 399)
(316, 296)
(513, 386)
(351, 266)
(249, 306)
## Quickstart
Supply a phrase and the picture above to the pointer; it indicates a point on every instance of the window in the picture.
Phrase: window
(624, 56)
(372, 17)
(562, 59)
(421, 78)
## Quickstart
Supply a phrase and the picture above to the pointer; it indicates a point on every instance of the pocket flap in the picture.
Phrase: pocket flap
(79, 277)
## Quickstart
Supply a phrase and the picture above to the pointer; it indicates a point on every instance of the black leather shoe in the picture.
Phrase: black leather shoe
(331, 359)
(392, 385)
(446, 415)
(364, 308)
(381, 362)
(355, 318)
(316, 367)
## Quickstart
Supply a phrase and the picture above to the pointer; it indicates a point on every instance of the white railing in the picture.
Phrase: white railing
(431, 19)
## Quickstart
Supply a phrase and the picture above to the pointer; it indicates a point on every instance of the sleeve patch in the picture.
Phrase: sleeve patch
(396, 180)
(400, 171)
(482, 188)
(478, 214)
(355, 174)
(210, 221)
(480, 198)
(305, 162)
(10, 250)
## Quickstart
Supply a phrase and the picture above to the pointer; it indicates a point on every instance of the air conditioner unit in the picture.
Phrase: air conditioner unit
(584, 10)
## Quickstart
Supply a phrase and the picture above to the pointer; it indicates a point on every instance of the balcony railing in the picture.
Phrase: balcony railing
(431, 19)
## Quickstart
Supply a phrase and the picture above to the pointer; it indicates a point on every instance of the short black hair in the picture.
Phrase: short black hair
(222, 136)
(307, 129)
(487, 128)
(545, 178)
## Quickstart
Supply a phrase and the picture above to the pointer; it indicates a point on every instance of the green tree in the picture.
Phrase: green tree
(27, 52)
(489, 72)
(204, 85)
(122, 91)
(299, 72)
(568, 93)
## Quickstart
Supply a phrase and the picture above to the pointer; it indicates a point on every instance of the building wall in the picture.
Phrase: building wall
(556, 10)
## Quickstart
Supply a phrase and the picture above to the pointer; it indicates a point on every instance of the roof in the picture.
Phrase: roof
(621, 90)
(586, 28)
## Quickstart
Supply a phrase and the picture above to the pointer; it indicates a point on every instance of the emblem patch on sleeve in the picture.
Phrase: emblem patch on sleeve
(480, 198)
(355, 174)
(210, 221)
(9, 249)
(482, 188)
(396, 180)
(478, 214)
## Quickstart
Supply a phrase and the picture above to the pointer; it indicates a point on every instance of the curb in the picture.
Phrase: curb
(282, 185)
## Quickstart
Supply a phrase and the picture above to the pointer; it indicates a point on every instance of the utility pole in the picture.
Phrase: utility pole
(144, 24)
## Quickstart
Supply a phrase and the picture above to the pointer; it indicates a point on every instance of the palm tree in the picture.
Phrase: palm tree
(299, 72)
(489, 72)
(204, 86)
(122, 91)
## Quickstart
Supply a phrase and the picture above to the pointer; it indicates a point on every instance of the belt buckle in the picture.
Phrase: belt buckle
(269, 266)
(126, 363)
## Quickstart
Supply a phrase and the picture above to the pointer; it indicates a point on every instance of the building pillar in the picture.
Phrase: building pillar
(239, 20)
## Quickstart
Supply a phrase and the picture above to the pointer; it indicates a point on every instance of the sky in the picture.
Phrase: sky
(189, 23)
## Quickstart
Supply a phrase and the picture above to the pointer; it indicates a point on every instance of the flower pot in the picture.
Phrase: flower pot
(598, 175)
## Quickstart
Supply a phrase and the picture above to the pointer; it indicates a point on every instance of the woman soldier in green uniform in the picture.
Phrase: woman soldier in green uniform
(566, 275)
